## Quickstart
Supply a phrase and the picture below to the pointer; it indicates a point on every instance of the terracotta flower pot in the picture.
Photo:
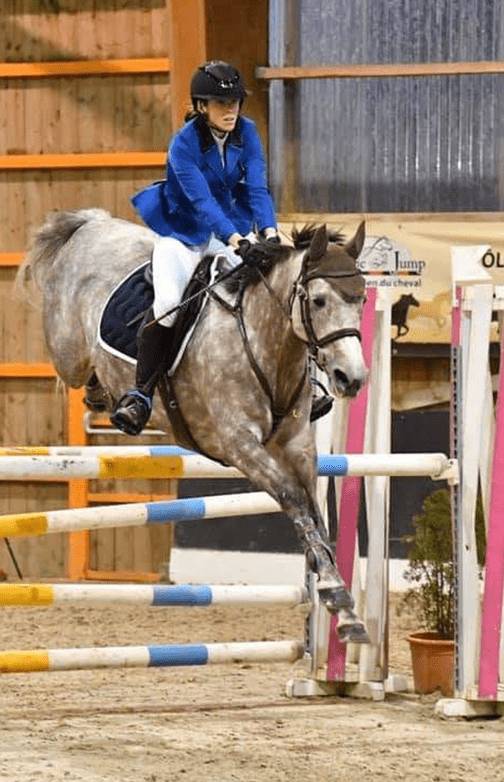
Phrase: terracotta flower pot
(433, 661)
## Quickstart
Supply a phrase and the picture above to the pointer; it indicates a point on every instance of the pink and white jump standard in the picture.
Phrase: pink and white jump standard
(478, 444)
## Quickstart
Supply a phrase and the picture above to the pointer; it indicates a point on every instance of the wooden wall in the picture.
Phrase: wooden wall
(54, 115)
(238, 33)
(58, 115)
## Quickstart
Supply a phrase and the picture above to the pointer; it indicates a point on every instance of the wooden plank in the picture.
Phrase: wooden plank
(27, 370)
(476, 327)
(119, 67)
(491, 620)
(122, 575)
(350, 494)
(78, 542)
(380, 70)
(84, 160)
(159, 30)
(341, 218)
(11, 259)
(115, 497)
(374, 656)
(187, 50)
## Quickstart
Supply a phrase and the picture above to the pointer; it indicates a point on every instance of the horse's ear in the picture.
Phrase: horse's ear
(318, 244)
(355, 245)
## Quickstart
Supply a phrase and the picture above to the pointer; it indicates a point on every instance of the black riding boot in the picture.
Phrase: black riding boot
(133, 409)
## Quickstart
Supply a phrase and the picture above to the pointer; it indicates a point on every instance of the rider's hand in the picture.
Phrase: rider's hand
(234, 240)
(241, 245)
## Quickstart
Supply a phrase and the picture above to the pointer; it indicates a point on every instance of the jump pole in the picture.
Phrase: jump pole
(36, 660)
(157, 595)
(136, 514)
(126, 465)
(133, 514)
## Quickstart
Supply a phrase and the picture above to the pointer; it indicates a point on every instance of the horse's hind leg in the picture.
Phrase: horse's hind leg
(296, 500)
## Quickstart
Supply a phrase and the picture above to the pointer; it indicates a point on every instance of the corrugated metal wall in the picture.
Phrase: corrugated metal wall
(395, 144)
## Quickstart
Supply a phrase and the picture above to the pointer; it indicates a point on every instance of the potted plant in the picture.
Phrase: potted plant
(431, 571)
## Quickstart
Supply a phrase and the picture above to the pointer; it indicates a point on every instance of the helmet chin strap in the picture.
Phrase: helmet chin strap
(218, 131)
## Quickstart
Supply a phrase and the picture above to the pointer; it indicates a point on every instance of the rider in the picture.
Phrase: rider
(214, 196)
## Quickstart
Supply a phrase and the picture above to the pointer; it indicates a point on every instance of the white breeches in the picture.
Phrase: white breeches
(173, 265)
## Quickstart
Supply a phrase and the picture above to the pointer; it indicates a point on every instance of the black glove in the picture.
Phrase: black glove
(244, 247)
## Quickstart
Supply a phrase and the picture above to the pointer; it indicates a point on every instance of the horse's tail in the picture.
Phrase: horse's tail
(47, 242)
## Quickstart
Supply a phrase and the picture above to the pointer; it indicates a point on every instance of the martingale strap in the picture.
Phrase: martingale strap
(278, 412)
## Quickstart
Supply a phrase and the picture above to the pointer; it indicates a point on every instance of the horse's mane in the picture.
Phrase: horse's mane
(264, 256)
(302, 237)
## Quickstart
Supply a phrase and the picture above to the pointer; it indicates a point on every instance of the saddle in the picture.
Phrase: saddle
(128, 303)
(124, 313)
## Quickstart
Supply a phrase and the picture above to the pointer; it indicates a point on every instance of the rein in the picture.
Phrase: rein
(278, 413)
(314, 344)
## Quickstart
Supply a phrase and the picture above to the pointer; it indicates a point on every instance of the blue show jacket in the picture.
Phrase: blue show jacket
(200, 196)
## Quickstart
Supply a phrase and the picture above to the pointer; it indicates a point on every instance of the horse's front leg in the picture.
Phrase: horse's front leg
(293, 491)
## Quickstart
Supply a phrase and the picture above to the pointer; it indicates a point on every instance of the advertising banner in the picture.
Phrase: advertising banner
(411, 254)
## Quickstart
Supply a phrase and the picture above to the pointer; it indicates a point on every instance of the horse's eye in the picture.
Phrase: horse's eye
(319, 301)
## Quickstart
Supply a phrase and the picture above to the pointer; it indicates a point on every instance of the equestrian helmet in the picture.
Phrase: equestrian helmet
(217, 80)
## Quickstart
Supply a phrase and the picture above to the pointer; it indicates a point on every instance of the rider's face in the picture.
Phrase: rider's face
(222, 114)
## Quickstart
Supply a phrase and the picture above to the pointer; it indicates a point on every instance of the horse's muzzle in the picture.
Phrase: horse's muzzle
(344, 385)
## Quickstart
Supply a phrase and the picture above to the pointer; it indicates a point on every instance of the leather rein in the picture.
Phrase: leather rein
(279, 412)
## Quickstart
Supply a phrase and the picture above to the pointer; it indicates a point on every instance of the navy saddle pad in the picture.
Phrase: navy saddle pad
(123, 312)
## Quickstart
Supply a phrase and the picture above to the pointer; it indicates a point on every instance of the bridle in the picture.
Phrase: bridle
(301, 293)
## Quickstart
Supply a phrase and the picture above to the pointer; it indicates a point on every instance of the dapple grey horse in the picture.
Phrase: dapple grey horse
(242, 386)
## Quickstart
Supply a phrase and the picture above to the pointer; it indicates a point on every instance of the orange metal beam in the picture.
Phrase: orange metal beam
(380, 70)
(27, 370)
(20, 70)
(84, 160)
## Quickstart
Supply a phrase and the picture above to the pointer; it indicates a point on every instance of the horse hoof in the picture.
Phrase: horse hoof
(354, 633)
(334, 597)
(98, 399)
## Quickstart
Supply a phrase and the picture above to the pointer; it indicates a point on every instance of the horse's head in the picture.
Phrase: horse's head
(326, 314)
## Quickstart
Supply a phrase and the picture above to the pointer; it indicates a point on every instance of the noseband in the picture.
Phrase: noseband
(314, 343)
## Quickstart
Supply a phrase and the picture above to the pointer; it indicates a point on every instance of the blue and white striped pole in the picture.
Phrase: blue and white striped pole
(165, 462)
(136, 514)
(152, 595)
(31, 660)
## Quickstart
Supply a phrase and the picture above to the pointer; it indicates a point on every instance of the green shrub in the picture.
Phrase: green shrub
(431, 567)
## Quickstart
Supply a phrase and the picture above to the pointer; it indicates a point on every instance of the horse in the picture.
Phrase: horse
(241, 387)
(399, 313)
